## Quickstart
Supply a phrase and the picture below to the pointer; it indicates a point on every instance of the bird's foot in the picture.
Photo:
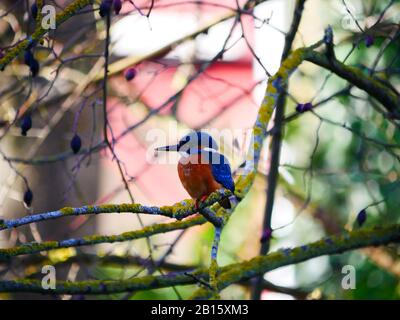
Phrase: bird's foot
(199, 201)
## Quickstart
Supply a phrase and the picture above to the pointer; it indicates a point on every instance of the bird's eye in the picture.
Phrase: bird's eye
(184, 141)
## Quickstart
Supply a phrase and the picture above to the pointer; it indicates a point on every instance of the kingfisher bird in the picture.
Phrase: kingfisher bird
(201, 169)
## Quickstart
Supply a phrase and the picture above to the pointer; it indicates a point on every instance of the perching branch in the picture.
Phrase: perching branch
(178, 211)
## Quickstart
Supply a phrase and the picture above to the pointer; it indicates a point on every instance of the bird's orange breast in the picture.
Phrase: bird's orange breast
(197, 177)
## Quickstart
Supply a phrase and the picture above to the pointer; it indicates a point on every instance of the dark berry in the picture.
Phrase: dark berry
(303, 107)
(307, 106)
(30, 61)
(28, 197)
(300, 107)
(328, 37)
(26, 124)
(361, 217)
(266, 235)
(369, 40)
(28, 57)
(76, 143)
(105, 7)
(117, 6)
(34, 67)
(130, 74)
(34, 10)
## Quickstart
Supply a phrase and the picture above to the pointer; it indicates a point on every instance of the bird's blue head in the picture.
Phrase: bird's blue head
(192, 143)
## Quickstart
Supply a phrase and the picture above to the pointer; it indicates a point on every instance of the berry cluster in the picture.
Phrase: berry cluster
(303, 107)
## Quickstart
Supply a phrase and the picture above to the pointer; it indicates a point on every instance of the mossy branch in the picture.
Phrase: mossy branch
(275, 84)
(375, 88)
(227, 275)
(327, 246)
(39, 32)
(232, 273)
(35, 247)
(178, 211)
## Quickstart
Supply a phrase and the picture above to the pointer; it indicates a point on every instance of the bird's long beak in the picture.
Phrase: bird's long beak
(174, 147)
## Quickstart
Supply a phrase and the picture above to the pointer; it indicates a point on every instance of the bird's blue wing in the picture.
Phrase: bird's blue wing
(221, 171)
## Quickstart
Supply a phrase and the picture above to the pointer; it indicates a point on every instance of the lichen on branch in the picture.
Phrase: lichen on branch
(227, 275)
(39, 32)
(177, 211)
(35, 247)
